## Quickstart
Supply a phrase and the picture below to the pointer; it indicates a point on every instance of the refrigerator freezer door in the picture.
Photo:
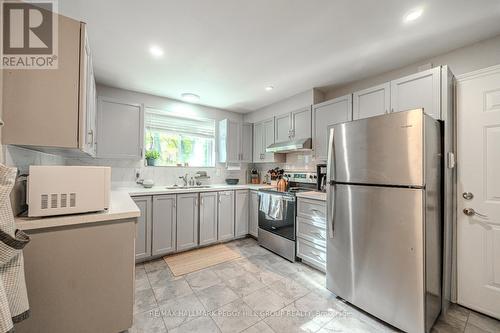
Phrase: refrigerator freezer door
(375, 259)
(383, 150)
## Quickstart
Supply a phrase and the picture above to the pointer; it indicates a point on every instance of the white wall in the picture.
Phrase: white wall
(466, 59)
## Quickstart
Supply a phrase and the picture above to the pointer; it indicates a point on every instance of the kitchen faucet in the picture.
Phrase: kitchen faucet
(184, 179)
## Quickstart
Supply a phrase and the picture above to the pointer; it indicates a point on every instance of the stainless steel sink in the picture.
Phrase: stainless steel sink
(186, 187)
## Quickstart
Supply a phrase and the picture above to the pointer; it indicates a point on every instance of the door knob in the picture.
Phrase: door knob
(472, 212)
(467, 195)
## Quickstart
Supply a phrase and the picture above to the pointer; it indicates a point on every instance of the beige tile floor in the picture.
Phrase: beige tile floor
(262, 293)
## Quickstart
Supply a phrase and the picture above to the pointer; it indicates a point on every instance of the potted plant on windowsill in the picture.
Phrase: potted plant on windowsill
(151, 157)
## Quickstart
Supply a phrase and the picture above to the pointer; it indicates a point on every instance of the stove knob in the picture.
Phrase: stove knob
(315, 177)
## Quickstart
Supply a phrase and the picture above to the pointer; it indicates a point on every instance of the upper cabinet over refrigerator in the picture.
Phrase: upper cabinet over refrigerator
(53, 110)
(421, 90)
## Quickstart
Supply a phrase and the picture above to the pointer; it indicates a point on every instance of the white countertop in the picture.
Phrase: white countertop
(121, 207)
(312, 195)
(140, 190)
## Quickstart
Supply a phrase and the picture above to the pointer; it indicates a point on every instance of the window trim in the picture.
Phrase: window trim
(177, 115)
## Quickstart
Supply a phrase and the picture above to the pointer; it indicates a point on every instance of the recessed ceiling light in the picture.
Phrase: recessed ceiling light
(413, 15)
(156, 51)
(191, 98)
(269, 88)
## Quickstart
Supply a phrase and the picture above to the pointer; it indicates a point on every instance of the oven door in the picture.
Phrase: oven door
(284, 225)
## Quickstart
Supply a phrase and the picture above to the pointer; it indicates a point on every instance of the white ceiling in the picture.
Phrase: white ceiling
(228, 51)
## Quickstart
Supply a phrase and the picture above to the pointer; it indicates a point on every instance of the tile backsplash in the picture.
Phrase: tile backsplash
(123, 171)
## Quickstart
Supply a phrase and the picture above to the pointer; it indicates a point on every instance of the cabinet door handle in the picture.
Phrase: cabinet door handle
(91, 133)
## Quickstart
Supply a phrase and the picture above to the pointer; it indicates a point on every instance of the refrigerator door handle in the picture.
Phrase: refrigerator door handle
(330, 169)
(330, 211)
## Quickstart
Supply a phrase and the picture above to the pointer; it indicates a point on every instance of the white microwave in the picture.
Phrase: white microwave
(60, 190)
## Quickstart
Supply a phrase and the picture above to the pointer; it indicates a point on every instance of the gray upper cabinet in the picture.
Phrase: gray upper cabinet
(301, 124)
(325, 115)
(246, 142)
(120, 128)
(208, 218)
(226, 215)
(242, 202)
(282, 128)
(164, 224)
(235, 141)
(187, 221)
(253, 216)
(143, 228)
(268, 139)
(371, 102)
(420, 90)
(258, 142)
(293, 125)
(263, 136)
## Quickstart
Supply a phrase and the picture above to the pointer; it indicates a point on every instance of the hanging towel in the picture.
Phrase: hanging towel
(276, 207)
(264, 202)
(14, 305)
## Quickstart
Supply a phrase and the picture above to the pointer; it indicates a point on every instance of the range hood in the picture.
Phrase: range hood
(290, 146)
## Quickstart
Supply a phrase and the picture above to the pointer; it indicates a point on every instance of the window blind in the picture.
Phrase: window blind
(165, 121)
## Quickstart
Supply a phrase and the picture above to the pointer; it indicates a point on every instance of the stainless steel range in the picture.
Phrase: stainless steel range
(277, 211)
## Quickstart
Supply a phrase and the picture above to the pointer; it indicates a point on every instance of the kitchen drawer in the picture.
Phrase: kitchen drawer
(311, 253)
(311, 231)
(312, 209)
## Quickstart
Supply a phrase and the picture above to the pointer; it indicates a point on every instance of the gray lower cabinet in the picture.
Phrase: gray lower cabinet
(253, 216)
(226, 215)
(241, 204)
(311, 232)
(208, 218)
(143, 228)
(187, 221)
(164, 224)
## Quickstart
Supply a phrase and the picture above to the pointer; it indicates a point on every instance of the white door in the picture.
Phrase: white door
(283, 126)
(164, 224)
(241, 212)
(226, 215)
(478, 235)
(253, 223)
(301, 123)
(187, 221)
(208, 218)
(246, 142)
(258, 142)
(420, 90)
(371, 102)
(326, 114)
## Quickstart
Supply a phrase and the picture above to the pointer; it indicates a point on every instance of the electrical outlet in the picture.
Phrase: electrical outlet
(137, 173)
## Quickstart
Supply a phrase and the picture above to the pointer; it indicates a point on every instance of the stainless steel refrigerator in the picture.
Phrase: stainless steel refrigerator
(385, 217)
